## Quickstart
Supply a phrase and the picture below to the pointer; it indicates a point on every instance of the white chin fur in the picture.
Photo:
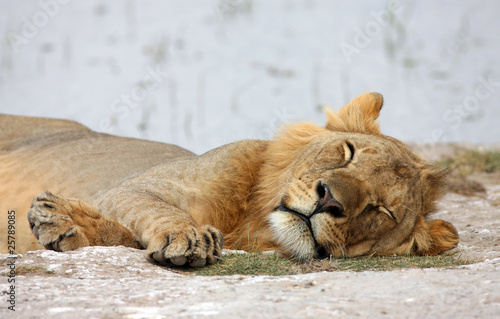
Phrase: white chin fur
(292, 234)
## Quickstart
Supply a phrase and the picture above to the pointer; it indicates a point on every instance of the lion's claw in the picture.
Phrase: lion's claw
(51, 226)
(187, 246)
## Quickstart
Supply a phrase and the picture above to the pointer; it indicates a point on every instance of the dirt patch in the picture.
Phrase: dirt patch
(465, 186)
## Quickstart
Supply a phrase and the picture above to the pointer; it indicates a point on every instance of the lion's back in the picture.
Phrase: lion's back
(67, 158)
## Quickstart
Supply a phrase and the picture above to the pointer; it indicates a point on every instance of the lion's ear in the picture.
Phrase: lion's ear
(360, 115)
(434, 237)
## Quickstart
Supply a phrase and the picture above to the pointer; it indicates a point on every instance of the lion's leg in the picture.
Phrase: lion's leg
(63, 224)
(171, 235)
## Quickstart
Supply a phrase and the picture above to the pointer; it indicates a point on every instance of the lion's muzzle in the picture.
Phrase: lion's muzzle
(326, 204)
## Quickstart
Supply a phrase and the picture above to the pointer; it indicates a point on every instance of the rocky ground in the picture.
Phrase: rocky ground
(118, 282)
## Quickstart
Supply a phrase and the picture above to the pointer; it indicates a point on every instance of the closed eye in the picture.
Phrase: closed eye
(384, 210)
(348, 152)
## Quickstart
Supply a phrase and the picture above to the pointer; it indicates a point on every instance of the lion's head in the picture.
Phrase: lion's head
(347, 190)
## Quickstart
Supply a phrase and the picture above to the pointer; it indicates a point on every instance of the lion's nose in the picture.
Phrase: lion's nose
(327, 203)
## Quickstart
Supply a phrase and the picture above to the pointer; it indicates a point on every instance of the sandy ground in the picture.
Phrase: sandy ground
(117, 282)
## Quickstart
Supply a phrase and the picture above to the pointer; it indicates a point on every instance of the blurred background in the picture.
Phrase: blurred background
(204, 73)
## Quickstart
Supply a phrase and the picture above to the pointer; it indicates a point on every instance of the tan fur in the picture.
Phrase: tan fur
(84, 225)
(342, 190)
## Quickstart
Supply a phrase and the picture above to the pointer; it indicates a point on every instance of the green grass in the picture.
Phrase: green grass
(248, 264)
(31, 270)
(467, 162)
(387, 263)
(272, 265)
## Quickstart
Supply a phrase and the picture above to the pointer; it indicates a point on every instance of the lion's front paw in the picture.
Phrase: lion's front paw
(51, 225)
(187, 245)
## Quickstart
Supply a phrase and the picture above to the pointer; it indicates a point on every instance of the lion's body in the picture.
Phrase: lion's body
(66, 158)
(340, 190)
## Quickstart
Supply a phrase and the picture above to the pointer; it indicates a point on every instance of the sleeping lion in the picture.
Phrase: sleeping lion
(342, 190)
